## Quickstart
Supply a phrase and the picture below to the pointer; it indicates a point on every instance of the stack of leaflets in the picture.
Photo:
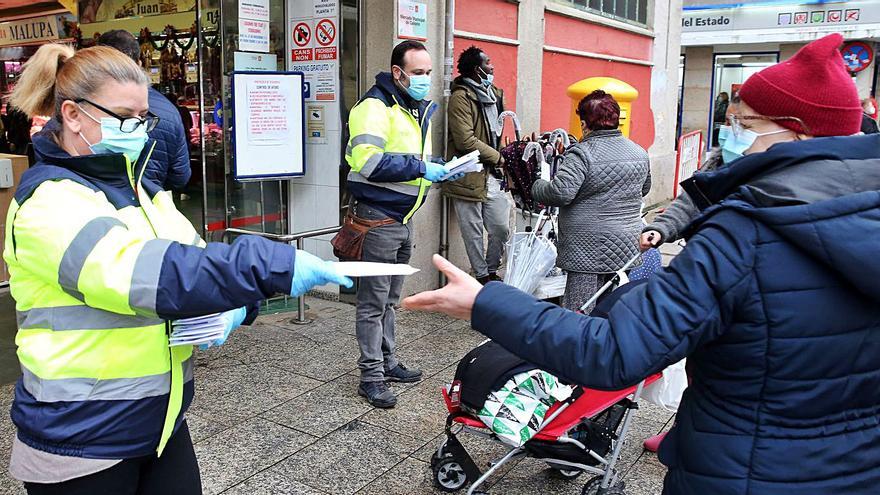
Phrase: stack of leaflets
(466, 164)
(197, 330)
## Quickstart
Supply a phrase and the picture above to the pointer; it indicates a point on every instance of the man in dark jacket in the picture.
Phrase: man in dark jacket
(169, 165)
(480, 203)
(774, 302)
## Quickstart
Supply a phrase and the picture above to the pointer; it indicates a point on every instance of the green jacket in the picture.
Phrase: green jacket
(468, 131)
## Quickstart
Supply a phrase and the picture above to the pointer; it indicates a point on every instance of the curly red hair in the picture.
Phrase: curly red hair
(599, 111)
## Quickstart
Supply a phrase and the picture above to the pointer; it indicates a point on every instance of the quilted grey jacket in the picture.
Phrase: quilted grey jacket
(599, 190)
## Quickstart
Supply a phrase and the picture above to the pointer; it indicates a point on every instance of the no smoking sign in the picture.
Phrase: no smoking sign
(325, 32)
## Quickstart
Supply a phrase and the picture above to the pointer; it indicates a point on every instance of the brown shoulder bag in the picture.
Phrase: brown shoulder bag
(348, 243)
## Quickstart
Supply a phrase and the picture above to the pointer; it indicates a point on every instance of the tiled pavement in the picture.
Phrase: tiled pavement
(277, 412)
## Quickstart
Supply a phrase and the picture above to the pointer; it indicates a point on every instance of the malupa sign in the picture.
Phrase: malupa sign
(31, 30)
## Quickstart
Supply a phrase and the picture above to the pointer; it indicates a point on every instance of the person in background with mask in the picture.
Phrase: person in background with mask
(869, 116)
(480, 203)
(719, 113)
(774, 301)
(389, 153)
(668, 225)
(100, 263)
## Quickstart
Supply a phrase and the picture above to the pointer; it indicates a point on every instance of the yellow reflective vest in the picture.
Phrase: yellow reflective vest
(89, 248)
(389, 145)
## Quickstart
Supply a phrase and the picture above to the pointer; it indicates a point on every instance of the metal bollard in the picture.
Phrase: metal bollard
(301, 300)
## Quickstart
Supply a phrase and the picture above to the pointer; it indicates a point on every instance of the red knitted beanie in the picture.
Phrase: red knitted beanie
(813, 86)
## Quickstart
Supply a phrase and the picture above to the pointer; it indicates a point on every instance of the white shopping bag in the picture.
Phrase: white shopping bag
(666, 392)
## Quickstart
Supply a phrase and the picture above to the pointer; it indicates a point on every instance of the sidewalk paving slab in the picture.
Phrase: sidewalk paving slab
(347, 459)
(236, 454)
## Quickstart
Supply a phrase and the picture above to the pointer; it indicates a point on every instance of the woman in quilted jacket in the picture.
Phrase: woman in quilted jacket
(773, 301)
(599, 187)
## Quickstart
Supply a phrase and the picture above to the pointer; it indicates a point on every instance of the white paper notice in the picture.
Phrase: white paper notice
(257, 10)
(367, 269)
(269, 102)
(253, 35)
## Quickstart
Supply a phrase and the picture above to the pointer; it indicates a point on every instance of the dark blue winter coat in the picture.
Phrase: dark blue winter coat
(776, 305)
(169, 165)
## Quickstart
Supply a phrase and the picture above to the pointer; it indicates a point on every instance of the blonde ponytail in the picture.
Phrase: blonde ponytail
(56, 73)
(34, 94)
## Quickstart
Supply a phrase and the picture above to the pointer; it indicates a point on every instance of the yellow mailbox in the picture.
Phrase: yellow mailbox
(621, 91)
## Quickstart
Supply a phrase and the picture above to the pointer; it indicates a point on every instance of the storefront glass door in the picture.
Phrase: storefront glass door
(731, 70)
(223, 201)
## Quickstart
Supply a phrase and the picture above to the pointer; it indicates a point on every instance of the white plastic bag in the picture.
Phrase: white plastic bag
(666, 392)
(530, 258)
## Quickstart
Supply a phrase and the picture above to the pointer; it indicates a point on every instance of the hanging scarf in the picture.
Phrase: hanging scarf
(489, 103)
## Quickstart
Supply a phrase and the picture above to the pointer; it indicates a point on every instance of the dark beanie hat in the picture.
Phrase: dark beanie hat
(813, 86)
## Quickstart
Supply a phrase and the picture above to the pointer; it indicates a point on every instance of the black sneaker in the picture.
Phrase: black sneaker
(402, 374)
(378, 394)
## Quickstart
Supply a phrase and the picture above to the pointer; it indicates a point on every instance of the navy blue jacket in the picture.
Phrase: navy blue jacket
(169, 166)
(192, 281)
(774, 302)
(394, 167)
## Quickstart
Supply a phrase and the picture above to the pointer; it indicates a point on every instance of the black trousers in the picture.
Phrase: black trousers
(175, 473)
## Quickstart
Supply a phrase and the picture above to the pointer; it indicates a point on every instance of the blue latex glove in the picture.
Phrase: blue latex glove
(233, 319)
(435, 171)
(310, 271)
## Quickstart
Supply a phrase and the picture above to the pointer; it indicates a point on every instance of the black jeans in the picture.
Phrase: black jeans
(175, 473)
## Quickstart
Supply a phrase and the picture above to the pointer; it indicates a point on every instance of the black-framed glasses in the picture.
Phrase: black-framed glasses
(126, 124)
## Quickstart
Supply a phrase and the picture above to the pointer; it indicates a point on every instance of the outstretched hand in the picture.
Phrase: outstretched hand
(456, 299)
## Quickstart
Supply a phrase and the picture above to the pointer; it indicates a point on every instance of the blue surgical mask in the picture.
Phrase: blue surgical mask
(723, 133)
(737, 143)
(113, 140)
(419, 86)
(489, 79)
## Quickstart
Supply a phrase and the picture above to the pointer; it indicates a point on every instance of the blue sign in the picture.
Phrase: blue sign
(218, 113)
(307, 89)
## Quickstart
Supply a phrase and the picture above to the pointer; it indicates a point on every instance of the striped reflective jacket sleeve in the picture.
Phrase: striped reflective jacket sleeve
(370, 130)
(69, 235)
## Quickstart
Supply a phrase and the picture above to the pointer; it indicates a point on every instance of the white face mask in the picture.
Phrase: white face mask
(870, 110)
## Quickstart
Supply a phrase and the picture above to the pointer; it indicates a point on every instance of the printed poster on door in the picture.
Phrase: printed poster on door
(314, 47)
(257, 10)
(253, 36)
(269, 125)
(253, 26)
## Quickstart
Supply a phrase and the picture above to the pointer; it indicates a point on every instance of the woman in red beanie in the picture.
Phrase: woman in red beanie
(774, 301)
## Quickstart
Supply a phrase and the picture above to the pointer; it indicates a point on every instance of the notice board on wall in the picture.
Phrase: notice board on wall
(269, 125)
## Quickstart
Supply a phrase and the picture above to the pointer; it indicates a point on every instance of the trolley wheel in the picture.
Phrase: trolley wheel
(439, 455)
(565, 472)
(592, 487)
(449, 475)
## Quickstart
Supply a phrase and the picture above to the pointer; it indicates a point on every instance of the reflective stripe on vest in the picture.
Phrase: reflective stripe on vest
(79, 249)
(398, 187)
(78, 389)
(145, 279)
(63, 318)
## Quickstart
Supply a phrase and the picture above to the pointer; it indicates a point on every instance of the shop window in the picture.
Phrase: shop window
(627, 10)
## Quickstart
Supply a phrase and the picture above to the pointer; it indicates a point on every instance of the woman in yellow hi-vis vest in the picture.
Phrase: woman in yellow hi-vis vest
(100, 263)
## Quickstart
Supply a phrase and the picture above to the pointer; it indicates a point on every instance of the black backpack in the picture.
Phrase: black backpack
(486, 369)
